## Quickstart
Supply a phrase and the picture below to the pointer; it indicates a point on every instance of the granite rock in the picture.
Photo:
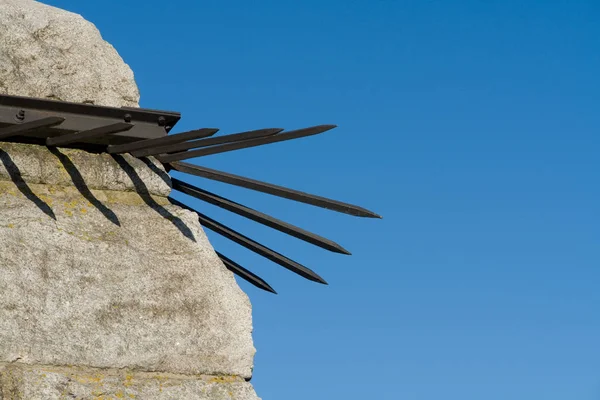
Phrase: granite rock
(68, 167)
(111, 278)
(54, 54)
(19, 382)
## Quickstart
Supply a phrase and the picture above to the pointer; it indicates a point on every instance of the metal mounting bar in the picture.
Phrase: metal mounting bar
(59, 107)
(89, 134)
(23, 128)
(147, 124)
(274, 190)
(257, 216)
(206, 142)
(252, 245)
(245, 274)
(296, 134)
(163, 141)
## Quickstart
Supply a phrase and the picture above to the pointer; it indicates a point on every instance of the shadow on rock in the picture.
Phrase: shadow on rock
(161, 174)
(17, 178)
(82, 187)
(142, 190)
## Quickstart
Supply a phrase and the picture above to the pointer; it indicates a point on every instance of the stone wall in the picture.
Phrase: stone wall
(107, 291)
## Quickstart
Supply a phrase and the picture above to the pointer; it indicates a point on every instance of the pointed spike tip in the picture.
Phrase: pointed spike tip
(344, 251)
(369, 214)
(325, 127)
(268, 288)
(336, 248)
(261, 284)
(318, 279)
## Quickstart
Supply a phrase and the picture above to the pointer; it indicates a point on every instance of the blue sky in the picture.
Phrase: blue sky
(471, 126)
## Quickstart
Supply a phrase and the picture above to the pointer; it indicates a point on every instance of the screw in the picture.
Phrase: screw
(21, 115)
(127, 117)
(161, 121)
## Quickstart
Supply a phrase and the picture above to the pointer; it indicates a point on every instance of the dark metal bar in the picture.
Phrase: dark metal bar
(296, 134)
(257, 216)
(19, 129)
(245, 274)
(163, 141)
(89, 134)
(206, 142)
(252, 245)
(274, 190)
(148, 124)
(58, 107)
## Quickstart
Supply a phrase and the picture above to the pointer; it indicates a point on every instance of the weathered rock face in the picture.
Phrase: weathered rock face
(50, 53)
(99, 270)
(106, 289)
(52, 383)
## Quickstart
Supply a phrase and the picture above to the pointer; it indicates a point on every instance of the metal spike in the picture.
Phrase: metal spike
(252, 245)
(206, 142)
(274, 190)
(15, 130)
(163, 141)
(243, 273)
(89, 134)
(246, 143)
(257, 216)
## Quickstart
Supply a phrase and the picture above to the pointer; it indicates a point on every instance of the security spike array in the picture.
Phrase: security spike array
(144, 132)
(181, 147)
(274, 190)
(296, 134)
(163, 141)
(253, 245)
(245, 274)
(257, 216)
(89, 134)
(27, 127)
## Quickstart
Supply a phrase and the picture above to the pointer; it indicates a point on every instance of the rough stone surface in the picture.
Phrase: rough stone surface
(108, 278)
(19, 382)
(65, 167)
(51, 53)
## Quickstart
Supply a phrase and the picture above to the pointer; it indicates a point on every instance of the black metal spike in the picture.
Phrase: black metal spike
(246, 143)
(252, 245)
(207, 142)
(89, 134)
(15, 130)
(257, 216)
(243, 273)
(163, 141)
(274, 190)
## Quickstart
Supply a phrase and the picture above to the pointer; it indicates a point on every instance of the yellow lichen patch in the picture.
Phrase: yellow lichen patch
(128, 380)
(133, 199)
(224, 379)
(90, 378)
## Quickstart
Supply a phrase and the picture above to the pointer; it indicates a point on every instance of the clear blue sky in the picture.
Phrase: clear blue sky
(471, 126)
